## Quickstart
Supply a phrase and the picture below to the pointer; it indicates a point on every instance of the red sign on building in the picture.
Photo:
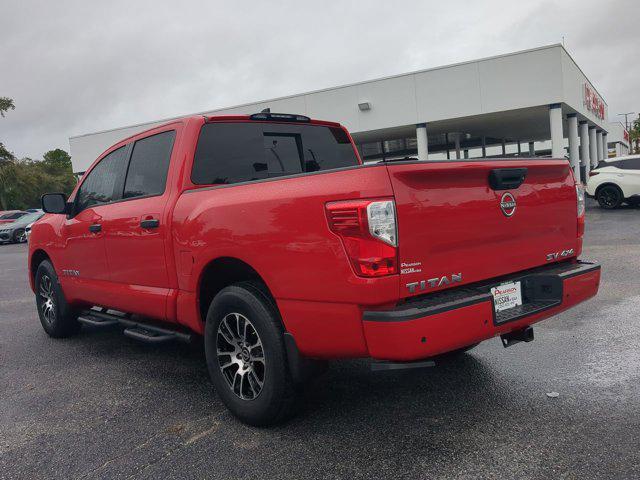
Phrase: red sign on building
(593, 102)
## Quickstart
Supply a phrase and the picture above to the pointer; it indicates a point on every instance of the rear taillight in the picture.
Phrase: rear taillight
(593, 174)
(368, 230)
(580, 209)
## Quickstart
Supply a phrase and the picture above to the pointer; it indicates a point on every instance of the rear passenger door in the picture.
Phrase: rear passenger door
(135, 229)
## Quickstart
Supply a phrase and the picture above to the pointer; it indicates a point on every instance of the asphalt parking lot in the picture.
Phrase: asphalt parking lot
(103, 406)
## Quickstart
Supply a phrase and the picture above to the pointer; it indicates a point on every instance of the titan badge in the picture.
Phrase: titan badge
(434, 282)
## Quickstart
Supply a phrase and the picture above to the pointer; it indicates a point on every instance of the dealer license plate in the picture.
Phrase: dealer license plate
(507, 296)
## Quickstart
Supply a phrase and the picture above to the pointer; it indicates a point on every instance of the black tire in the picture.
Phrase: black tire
(609, 197)
(19, 236)
(58, 319)
(238, 309)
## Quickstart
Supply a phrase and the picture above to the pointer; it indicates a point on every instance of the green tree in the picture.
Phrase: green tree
(7, 179)
(5, 155)
(22, 182)
(7, 159)
(57, 162)
(634, 135)
(5, 105)
(7, 175)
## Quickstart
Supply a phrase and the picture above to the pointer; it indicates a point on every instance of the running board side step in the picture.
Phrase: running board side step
(141, 331)
(97, 318)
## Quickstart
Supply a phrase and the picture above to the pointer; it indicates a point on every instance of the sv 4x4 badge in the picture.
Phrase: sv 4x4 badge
(557, 255)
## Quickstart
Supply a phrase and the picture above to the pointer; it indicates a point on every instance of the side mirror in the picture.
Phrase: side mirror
(54, 203)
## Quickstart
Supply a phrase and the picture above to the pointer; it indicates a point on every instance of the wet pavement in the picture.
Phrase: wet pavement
(101, 405)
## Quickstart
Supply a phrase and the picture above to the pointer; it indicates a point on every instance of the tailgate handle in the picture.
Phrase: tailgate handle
(507, 178)
(150, 223)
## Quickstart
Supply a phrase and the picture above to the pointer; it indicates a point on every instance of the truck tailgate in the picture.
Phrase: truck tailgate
(455, 228)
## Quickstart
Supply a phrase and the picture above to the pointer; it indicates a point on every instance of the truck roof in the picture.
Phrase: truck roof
(256, 117)
(271, 118)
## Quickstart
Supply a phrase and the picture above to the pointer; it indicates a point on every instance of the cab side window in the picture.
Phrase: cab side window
(149, 164)
(100, 183)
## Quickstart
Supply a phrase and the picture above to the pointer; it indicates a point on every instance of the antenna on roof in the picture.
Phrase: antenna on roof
(266, 110)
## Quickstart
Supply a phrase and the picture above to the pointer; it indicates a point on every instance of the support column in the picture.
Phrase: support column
(457, 146)
(605, 146)
(519, 148)
(504, 148)
(574, 156)
(446, 141)
(484, 147)
(422, 141)
(555, 124)
(600, 149)
(532, 149)
(585, 153)
(593, 147)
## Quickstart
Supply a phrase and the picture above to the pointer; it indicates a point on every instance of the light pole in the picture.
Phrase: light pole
(626, 126)
(626, 119)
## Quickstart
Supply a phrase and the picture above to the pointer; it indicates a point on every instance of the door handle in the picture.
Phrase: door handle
(95, 228)
(152, 223)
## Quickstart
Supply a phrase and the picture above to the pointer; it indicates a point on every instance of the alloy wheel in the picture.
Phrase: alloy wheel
(240, 356)
(47, 303)
(608, 197)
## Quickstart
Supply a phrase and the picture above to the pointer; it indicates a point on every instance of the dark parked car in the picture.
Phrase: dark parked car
(15, 232)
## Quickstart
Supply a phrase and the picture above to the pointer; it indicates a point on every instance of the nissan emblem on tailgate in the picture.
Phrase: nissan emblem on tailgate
(508, 204)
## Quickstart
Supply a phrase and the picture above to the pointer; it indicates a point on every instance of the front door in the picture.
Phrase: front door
(84, 260)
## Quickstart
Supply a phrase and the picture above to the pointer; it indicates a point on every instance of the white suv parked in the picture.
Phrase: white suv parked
(615, 181)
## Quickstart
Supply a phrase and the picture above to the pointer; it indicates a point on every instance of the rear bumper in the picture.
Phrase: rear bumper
(455, 318)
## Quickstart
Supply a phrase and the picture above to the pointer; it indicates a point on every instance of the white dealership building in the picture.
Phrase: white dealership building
(533, 102)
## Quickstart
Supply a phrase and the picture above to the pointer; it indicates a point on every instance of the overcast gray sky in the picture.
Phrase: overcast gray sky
(79, 67)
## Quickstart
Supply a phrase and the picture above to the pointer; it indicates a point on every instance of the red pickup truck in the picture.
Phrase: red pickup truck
(266, 235)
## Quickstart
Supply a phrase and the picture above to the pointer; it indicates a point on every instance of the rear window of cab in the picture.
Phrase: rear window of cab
(229, 153)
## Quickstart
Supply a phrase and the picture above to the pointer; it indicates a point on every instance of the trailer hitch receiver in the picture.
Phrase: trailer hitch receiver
(511, 338)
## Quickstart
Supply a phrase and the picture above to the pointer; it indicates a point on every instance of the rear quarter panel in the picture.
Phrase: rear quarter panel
(279, 227)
